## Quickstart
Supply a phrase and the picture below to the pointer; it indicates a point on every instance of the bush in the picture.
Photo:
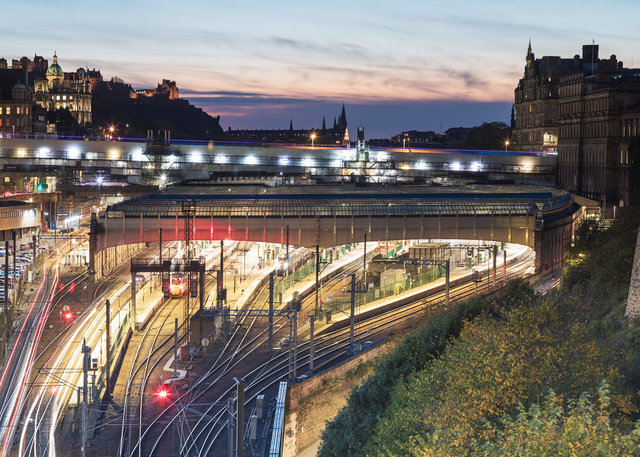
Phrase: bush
(349, 432)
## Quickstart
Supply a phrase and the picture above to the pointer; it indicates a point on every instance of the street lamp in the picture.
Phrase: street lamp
(313, 139)
(506, 144)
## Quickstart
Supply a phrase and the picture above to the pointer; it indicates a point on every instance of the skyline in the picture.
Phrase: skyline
(414, 66)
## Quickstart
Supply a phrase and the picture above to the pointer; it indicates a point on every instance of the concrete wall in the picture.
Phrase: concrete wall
(633, 300)
(318, 399)
(108, 259)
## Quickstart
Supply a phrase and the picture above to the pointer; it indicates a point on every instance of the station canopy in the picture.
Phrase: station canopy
(343, 201)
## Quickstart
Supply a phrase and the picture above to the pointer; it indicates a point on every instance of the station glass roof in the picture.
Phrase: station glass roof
(342, 201)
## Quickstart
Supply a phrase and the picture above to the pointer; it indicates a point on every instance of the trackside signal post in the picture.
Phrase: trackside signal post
(139, 265)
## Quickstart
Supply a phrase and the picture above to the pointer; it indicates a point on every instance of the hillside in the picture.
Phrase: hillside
(111, 105)
(516, 375)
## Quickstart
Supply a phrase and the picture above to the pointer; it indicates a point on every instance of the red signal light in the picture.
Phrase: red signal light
(68, 315)
(161, 393)
(72, 287)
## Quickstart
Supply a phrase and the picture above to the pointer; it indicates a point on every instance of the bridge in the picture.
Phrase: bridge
(539, 217)
(141, 162)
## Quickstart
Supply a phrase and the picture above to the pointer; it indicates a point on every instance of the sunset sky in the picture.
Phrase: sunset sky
(396, 65)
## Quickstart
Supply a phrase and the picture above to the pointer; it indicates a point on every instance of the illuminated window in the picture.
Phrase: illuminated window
(8, 109)
(64, 97)
(57, 97)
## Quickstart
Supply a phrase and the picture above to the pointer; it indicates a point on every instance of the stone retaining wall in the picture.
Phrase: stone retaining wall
(633, 299)
(318, 399)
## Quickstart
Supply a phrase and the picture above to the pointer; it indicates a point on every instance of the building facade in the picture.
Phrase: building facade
(57, 90)
(587, 109)
(336, 135)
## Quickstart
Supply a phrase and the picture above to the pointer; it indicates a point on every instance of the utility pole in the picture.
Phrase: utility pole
(295, 345)
(230, 423)
(86, 359)
(271, 311)
(315, 311)
(317, 306)
(294, 306)
(175, 349)
(287, 251)
(132, 312)
(495, 262)
(447, 275)
(312, 348)
(240, 419)
(5, 333)
(352, 315)
(504, 264)
(160, 274)
(108, 344)
(188, 212)
(15, 282)
(221, 296)
(364, 261)
(34, 256)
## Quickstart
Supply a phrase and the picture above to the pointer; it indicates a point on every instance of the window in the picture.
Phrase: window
(57, 97)
(64, 97)
(8, 109)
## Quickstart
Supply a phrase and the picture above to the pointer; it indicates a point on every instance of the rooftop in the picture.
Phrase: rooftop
(344, 201)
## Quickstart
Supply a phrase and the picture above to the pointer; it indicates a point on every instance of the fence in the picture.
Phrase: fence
(343, 303)
(298, 275)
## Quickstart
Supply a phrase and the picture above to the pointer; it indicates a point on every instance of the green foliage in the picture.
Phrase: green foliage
(489, 135)
(491, 367)
(583, 429)
(349, 432)
(601, 260)
(445, 388)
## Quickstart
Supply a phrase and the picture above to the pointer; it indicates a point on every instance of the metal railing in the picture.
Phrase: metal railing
(343, 303)
(277, 433)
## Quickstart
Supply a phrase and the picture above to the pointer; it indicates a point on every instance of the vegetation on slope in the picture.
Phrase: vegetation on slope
(466, 372)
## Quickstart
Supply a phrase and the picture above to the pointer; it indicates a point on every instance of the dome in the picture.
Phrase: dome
(19, 85)
(55, 69)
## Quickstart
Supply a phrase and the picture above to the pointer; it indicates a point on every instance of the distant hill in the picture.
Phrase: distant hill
(111, 105)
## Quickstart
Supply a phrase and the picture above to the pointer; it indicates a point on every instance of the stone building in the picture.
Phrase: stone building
(167, 89)
(336, 135)
(16, 104)
(587, 110)
(55, 90)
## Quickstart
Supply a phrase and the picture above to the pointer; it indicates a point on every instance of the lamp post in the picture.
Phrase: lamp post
(506, 145)
(313, 139)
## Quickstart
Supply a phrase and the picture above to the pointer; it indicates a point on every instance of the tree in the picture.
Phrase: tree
(583, 429)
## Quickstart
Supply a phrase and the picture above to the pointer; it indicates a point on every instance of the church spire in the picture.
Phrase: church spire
(529, 50)
(324, 124)
(291, 125)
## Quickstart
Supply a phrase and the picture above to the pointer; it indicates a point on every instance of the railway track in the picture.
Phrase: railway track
(330, 347)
